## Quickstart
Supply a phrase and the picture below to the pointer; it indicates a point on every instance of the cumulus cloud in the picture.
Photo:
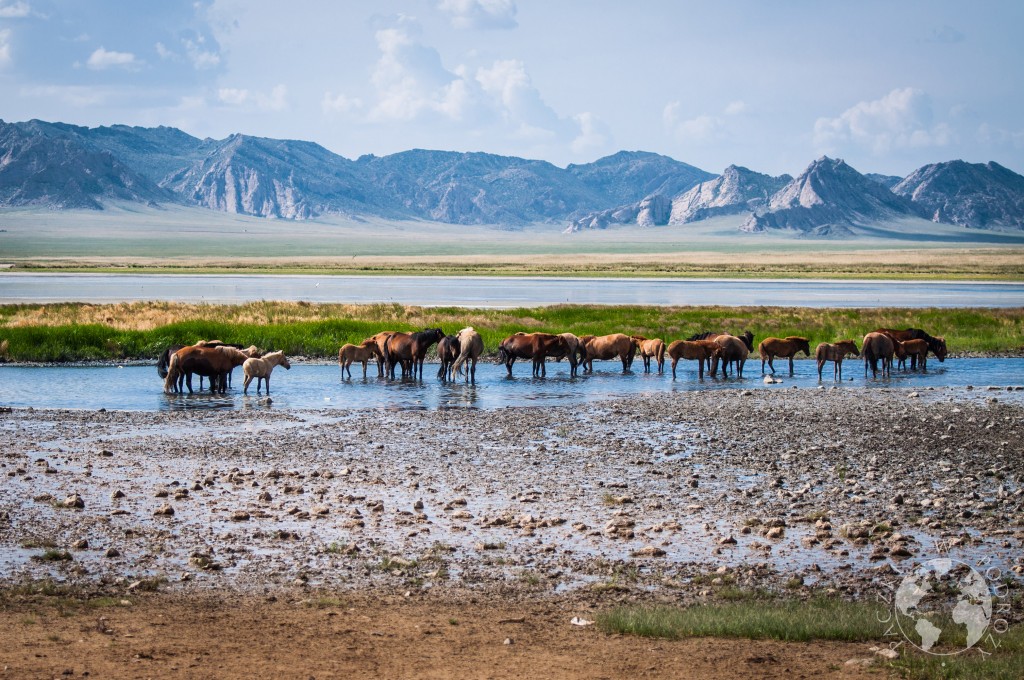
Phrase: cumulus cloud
(5, 47)
(275, 100)
(339, 103)
(15, 10)
(594, 135)
(481, 14)
(702, 129)
(102, 59)
(901, 119)
(199, 54)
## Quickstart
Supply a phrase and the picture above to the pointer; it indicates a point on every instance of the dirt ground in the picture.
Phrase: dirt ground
(476, 636)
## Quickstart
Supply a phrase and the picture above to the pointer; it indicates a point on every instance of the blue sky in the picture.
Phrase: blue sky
(889, 86)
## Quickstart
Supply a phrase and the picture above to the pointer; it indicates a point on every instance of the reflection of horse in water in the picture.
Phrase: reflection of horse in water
(785, 348)
(835, 353)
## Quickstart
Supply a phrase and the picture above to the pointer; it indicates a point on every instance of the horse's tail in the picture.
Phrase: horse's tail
(661, 354)
(173, 371)
(161, 363)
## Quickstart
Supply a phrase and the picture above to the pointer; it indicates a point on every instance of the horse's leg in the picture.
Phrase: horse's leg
(248, 379)
(674, 362)
(473, 370)
(838, 369)
(791, 365)
(821, 364)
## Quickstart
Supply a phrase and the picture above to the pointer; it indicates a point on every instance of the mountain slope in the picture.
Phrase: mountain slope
(735, 191)
(629, 176)
(829, 198)
(976, 195)
(46, 166)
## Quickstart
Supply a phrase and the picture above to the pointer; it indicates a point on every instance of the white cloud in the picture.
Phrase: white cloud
(481, 14)
(201, 57)
(900, 119)
(15, 10)
(276, 100)
(594, 136)
(5, 47)
(702, 129)
(339, 103)
(165, 53)
(102, 59)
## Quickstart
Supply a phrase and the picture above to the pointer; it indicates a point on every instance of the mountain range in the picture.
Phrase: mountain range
(60, 166)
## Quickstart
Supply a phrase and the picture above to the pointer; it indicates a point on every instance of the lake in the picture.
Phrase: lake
(502, 292)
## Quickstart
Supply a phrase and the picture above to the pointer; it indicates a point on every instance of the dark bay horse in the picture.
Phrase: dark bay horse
(448, 350)
(835, 353)
(411, 347)
(536, 346)
(747, 337)
(785, 348)
(936, 345)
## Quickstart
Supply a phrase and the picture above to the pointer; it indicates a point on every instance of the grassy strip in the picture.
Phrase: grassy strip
(79, 332)
(821, 619)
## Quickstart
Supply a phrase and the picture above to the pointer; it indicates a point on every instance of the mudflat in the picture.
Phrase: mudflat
(406, 543)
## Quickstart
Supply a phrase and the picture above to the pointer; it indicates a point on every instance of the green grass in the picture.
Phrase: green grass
(1004, 662)
(822, 619)
(73, 332)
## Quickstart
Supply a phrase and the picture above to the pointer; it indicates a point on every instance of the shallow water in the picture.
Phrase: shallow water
(503, 292)
(314, 386)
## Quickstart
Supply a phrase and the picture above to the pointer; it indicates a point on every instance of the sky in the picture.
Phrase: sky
(887, 86)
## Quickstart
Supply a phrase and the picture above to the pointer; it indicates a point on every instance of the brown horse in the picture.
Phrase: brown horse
(573, 351)
(410, 347)
(878, 346)
(447, 352)
(701, 350)
(380, 340)
(835, 353)
(734, 349)
(362, 353)
(471, 346)
(261, 368)
(536, 346)
(616, 345)
(651, 349)
(747, 337)
(915, 349)
(936, 345)
(785, 348)
(215, 363)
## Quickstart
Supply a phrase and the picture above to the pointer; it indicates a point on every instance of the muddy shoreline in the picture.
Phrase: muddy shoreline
(665, 498)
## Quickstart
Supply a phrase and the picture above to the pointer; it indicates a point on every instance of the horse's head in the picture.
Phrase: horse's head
(851, 347)
(748, 340)
(285, 363)
(939, 348)
(804, 345)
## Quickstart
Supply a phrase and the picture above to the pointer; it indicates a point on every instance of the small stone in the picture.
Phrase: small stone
(164, 510)
(508, 641)
(112, 552)
(74, 501)
(649, 551)
(80, 544)
(114, 495)
(239, 516)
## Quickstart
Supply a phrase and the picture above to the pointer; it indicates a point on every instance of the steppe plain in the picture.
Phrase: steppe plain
(384, 543)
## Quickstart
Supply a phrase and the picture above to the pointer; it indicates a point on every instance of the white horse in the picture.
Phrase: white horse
(471, 347)
(261, 369)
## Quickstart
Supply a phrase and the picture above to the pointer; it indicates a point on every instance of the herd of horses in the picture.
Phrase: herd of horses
(459, 353)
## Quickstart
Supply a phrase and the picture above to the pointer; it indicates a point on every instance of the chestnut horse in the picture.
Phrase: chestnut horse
(471, 346)
(165, 357)
(651, 349)
(573, 351)
(878, 346)
(536, 346)
(915, 349)
(616, 345)
(380, 340)
(734, 350)
(835, 353)
(936, 345)
(215, 363)
(701, 350)
(447, 353)
(362, 353)
(785, 348)
(410, 347)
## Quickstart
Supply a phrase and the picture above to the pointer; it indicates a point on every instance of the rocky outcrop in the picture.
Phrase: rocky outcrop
(978, 195)
(736, 190)
(829, 198)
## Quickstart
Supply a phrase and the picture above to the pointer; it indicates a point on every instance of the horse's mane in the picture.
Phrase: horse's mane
(702, 336)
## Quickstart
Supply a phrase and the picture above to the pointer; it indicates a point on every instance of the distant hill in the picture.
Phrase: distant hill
(60, 166)
(980, 195)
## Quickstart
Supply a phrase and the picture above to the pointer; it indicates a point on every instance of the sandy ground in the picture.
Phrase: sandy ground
(368, 529)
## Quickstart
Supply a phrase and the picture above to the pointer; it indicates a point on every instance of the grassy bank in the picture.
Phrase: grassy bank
(79, 332)
(824, 619)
